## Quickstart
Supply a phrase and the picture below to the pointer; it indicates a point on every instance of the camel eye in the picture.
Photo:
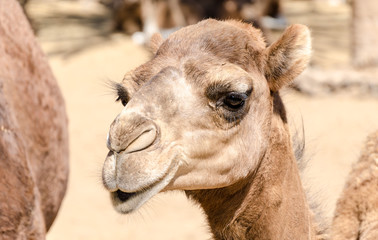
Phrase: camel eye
(124, 102)
(234, 101)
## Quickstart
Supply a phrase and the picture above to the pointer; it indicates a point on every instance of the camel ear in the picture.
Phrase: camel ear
(155, 41)
(288, 56)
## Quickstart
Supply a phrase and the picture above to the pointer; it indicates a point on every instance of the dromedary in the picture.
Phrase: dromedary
(356, 215)
(204, 115)
(33, 132)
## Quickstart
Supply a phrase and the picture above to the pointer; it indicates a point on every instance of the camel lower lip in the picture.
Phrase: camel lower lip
(127, 202)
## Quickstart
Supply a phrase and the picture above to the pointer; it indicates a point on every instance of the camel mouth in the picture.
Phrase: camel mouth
(128, 202)
(124, 196)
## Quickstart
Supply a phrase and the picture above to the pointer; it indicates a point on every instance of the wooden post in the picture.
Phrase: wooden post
(365, 33)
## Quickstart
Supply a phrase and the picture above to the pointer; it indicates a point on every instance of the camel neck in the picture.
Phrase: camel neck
(270, 204)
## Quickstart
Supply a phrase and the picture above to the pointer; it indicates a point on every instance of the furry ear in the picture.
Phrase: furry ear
(155, 41)
(288, 56)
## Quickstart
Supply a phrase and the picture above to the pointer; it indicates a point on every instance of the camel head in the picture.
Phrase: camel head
(198, 114)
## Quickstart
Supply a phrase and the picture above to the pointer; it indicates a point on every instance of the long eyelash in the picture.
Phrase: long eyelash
(120, 91)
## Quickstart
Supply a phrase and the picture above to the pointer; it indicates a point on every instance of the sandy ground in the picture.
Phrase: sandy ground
(335, 127)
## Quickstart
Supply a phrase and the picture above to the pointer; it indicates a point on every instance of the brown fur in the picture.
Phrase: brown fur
(240, 167)
(33, 132)
(356, 214)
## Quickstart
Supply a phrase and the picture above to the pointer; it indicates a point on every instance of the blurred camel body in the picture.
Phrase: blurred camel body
(151, 16)
(204, 115)
(33, 132)
(356, 215)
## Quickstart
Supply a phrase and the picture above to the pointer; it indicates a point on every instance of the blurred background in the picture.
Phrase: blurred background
(89, 42)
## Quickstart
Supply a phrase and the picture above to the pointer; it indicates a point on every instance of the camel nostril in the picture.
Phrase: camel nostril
(143, 141)
(124, 196)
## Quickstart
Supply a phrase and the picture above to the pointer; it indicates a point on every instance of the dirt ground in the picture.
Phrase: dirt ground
(84, 56)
